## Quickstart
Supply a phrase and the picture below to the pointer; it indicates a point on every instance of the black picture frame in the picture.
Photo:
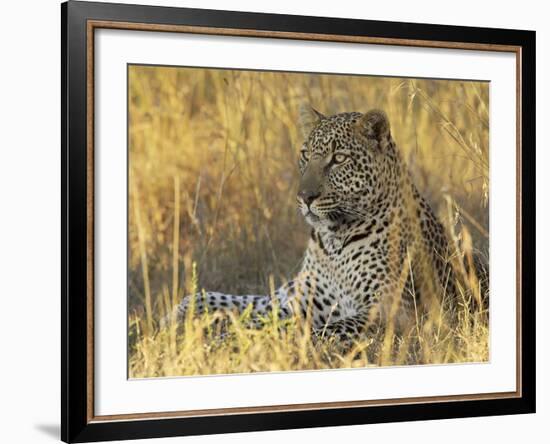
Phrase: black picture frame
(76, 423)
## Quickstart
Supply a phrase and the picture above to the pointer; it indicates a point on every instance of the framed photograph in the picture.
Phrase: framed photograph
(275, 221)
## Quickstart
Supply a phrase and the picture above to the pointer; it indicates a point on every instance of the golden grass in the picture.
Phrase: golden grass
(213, 176)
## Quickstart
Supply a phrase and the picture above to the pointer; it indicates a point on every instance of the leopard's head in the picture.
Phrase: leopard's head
(347, 163)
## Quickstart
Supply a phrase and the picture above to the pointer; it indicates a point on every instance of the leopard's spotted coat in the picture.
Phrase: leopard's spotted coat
(377, 251)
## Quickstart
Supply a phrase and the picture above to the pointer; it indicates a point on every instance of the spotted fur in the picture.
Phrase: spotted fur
(377, 253)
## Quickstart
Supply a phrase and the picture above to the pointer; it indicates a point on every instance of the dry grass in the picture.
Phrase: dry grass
(212, 182)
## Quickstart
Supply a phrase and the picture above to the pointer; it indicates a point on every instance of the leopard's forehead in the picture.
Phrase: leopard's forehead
(337, 130)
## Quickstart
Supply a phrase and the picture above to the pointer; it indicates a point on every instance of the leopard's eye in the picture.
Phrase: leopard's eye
(339, 158)
(304, 154)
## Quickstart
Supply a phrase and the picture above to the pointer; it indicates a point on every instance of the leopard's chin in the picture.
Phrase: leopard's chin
(320, 222)
(312, 218)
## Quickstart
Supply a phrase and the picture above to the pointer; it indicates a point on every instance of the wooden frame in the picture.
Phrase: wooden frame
(79, 21)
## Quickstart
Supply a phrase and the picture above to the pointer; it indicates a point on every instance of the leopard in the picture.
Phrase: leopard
(376, 254)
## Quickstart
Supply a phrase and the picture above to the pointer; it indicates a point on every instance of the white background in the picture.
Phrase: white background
(117, 395)
(30, 202)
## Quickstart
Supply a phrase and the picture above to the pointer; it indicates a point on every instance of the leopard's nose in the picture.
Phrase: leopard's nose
(308, 196)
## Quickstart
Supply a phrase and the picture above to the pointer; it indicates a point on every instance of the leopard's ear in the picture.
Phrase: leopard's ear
(374, 126)
(309, 118)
